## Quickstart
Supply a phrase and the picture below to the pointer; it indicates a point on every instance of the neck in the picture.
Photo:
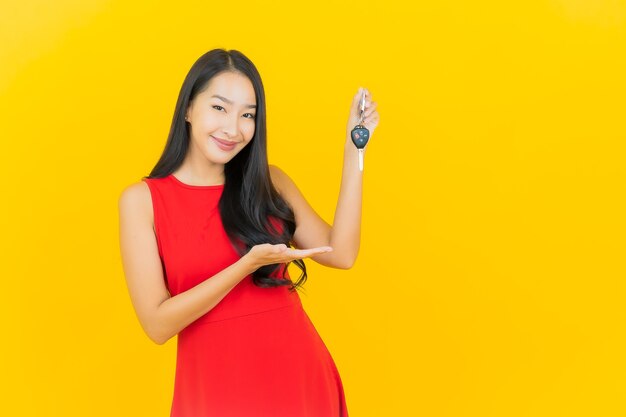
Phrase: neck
(199, 171)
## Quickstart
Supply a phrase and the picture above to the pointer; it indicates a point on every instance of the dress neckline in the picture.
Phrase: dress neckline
(195, 187)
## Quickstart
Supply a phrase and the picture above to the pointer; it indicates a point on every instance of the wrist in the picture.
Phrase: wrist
(348, 143)
(350, 148)
(248, 263)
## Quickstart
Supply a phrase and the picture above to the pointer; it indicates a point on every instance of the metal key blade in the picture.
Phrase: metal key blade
(361, 152)
(362, 108)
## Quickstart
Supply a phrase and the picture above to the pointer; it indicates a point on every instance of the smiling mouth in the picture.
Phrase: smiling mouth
(225, 142)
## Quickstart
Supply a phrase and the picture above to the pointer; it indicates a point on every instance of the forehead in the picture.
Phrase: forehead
(233, 87)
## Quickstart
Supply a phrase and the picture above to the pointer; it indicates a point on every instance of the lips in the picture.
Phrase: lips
(224, 144)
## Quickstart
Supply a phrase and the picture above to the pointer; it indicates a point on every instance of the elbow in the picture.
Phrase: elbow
(346, 264)
(157, 335)
(346, 261)
(157, 329)
(342, 258)
(158, 340)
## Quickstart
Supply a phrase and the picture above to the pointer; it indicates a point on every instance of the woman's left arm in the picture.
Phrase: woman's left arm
(344, 236)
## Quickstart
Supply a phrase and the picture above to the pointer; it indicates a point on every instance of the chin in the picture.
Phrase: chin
(221, 157)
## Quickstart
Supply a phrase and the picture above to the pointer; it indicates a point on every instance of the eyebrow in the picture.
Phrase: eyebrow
(249, 106)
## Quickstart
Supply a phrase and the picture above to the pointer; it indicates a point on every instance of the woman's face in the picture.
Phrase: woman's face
(222, 117)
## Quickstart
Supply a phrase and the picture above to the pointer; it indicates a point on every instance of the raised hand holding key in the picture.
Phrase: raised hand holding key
(367, 119)
(360, 134)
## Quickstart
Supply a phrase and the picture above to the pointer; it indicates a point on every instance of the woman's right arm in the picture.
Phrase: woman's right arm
(161, 315)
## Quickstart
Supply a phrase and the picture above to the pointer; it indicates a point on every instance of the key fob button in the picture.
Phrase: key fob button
(360, 135)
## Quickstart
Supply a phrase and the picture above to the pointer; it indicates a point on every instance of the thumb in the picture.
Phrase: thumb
(357, 98)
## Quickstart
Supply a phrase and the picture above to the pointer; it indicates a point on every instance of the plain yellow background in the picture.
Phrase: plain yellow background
(490, 280)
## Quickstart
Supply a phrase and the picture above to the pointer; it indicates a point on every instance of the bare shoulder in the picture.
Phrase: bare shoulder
(135, 200)
(282, 181)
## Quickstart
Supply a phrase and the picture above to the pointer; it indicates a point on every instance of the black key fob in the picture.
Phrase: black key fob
(360, 135)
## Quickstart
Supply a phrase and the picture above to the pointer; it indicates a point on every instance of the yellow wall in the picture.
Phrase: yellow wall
(491, 278)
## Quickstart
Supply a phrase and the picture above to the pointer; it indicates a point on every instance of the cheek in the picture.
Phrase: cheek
(207, 123)
(249, 130)
(200, 126)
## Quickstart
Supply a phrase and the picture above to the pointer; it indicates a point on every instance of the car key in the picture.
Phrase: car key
(360, 134)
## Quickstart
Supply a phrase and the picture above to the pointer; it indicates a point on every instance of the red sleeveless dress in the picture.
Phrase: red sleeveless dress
(256, 353)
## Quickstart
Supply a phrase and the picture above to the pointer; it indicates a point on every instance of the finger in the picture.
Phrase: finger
(368, 97)
(373, 116)
(371, 109)
(303, 253)
(324, 248)
(280, 248)
(357, 98)
(314, 250)
(371, 124)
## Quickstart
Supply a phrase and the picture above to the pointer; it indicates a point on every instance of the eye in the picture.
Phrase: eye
(252, 116)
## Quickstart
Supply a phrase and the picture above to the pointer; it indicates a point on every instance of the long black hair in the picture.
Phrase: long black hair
(252, 211)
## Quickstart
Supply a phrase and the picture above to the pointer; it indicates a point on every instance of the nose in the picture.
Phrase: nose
(231, 125)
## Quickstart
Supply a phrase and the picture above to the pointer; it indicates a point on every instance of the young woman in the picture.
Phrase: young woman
(206, 239)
